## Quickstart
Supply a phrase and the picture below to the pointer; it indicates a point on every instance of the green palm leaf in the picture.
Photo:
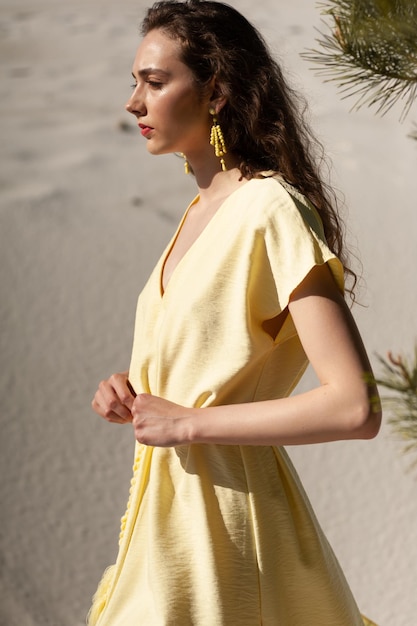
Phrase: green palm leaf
(370, 51)
(400, 376)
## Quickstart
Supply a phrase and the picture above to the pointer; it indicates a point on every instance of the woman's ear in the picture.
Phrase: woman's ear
(217, 99)
(218, 103)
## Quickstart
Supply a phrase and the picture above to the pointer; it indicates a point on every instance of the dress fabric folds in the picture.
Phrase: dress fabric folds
(220, 535)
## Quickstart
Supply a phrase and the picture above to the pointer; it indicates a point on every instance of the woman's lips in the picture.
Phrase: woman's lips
(145, 130)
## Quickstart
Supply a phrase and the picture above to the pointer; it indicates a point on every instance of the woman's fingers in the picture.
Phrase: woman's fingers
(113, 399)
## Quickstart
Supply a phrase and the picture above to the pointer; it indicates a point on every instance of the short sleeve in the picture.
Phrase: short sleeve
(294, 243)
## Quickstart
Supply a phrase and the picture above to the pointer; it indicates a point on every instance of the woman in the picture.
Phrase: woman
(218, 530)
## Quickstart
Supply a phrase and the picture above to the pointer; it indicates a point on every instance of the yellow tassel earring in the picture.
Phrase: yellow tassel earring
(186, 164)
(217, 140)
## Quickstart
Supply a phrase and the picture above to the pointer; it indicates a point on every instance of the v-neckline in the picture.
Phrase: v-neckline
(162, 290)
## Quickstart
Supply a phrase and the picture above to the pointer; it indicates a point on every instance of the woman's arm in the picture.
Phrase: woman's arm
(345, 405)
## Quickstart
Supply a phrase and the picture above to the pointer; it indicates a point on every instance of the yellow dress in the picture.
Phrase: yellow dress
(218, 535)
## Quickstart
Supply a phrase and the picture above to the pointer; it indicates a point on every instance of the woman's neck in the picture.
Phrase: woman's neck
(213, 183)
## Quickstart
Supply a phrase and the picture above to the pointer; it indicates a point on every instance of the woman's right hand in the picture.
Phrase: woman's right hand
(114, 398)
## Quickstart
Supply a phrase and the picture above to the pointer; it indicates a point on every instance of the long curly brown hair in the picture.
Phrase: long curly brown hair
(263, 120)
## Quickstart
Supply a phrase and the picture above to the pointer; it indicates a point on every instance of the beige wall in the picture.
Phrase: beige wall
(83, 218)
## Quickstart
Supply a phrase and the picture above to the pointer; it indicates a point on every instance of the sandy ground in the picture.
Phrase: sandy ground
(85, 213)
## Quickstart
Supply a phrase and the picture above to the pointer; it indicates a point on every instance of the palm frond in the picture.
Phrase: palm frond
(400, 376)
(370, 51)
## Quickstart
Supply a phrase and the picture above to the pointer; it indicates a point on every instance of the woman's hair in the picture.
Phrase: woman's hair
(262, 121)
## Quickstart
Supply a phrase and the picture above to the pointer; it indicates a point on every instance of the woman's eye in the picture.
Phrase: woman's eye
(154, 84)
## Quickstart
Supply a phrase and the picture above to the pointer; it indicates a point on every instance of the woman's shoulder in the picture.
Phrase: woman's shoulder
(273, 201)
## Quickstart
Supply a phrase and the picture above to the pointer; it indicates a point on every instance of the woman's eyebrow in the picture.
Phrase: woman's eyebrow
(145, 72)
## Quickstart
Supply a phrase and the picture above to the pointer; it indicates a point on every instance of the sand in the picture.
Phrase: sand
(84, 214)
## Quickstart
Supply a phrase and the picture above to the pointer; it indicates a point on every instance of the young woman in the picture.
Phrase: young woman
(218, 530)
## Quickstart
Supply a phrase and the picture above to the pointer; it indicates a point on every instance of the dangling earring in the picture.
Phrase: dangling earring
(217, 140)
(186, 164)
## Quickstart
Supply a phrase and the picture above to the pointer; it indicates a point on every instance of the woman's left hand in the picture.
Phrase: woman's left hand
(159, 422)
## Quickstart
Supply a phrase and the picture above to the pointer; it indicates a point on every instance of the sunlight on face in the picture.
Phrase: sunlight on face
(172, 113)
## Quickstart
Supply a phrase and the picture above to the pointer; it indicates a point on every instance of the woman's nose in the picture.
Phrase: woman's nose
(135, 104)
(129, 105)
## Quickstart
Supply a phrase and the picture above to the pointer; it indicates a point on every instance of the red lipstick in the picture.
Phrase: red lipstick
(145, 130)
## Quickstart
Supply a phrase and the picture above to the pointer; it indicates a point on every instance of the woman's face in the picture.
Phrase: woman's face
(172, 114)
